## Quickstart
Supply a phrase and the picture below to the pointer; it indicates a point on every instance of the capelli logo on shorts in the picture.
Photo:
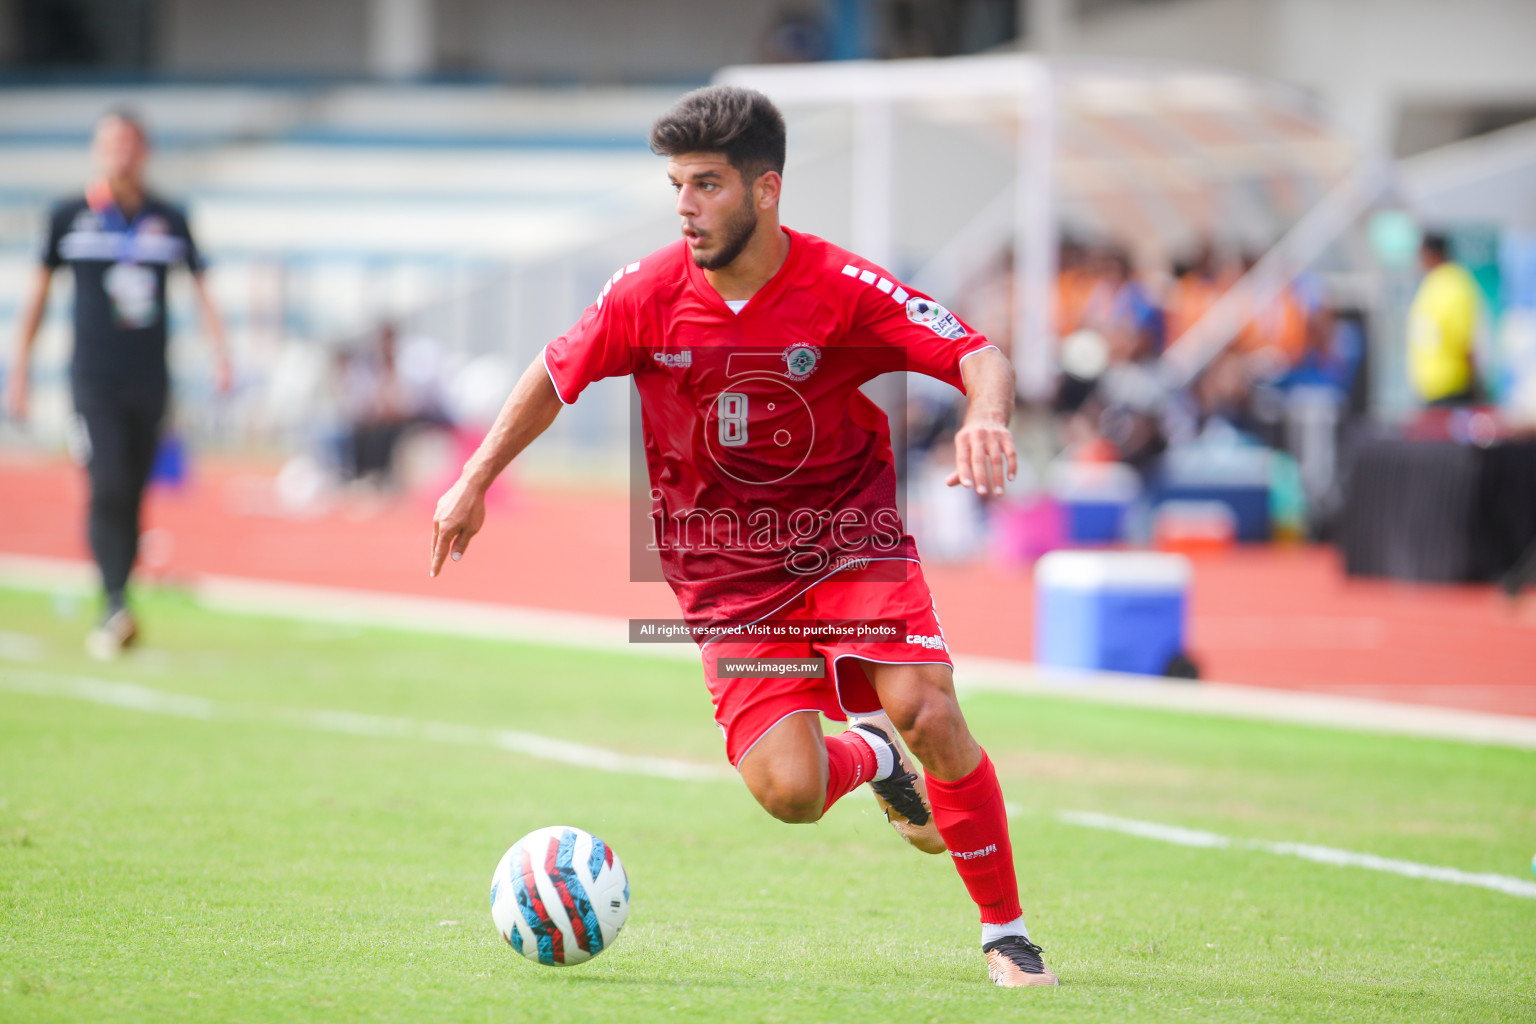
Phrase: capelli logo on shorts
(674, 359)
(974, 854)
(933, 643)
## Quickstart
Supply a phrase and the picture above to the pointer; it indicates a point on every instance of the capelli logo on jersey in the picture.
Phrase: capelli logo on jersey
(674, 359)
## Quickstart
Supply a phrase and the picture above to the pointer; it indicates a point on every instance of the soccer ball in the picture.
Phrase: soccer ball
(559, 896)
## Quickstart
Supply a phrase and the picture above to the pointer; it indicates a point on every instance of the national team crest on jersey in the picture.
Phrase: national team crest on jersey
(934, 317)
(800, 361)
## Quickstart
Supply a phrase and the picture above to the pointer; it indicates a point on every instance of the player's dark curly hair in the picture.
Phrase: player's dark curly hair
(741, 123)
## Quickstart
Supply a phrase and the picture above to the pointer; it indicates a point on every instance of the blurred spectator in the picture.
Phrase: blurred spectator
(1442, 329)
(1224, 391)
(1075, 282)
(1196, 287)
(1280, 327)
(382, 394)
(1134, 400)
(1110, 386)
(1334, 348)
(1084, 358)
(374, 408)
(1135, 322)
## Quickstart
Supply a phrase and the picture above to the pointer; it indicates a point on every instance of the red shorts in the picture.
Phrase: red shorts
(746, 708)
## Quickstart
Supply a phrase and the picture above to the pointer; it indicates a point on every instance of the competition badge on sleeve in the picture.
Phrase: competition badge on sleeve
(934, 317)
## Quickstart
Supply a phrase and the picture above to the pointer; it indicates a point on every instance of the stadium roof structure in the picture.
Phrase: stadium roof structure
(1489, 179)
(1006, 153)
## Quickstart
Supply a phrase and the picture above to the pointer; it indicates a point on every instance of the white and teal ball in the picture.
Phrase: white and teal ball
(560, 896)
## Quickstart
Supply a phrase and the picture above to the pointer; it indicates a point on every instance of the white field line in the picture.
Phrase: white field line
(574, 630)
(133, 697)
(1306, 851)
(1226, 700)
(21, 647)
(158, 702)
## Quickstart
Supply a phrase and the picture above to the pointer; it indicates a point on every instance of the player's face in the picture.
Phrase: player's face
(718, 209)
(119, 149)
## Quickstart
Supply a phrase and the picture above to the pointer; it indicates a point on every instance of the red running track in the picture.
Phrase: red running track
(1271, 616)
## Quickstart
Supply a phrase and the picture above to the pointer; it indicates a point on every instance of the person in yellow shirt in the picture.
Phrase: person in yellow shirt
(1442, 329)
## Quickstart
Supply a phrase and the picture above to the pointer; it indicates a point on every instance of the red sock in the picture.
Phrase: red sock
(850, 761)
(970, 816)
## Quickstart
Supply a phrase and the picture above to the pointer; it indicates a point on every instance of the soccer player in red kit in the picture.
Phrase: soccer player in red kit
(773, 492)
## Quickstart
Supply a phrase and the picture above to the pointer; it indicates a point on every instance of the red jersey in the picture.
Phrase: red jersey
(769, 469)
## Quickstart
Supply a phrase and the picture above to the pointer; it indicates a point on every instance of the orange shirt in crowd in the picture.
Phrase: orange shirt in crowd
(1188, 299)
(1074, 287)
(1281, 324)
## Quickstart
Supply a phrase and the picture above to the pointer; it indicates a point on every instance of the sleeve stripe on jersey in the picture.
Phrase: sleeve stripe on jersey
(544, 357)
(886, 285)
(617, 274)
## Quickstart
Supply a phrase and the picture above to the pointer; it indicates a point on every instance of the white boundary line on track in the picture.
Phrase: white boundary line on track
(178, 705)
(444, 616)
(1321, 854)
(306, 602)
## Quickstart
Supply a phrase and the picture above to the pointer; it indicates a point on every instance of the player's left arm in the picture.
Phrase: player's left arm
(985, 457)
(213, 329)
(935, 342)
(527, 413)
(208, 312)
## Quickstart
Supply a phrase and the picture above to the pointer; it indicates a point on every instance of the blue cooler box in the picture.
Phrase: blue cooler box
(1116, 611)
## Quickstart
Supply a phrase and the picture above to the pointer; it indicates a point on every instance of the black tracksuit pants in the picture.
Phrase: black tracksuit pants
(122, 432)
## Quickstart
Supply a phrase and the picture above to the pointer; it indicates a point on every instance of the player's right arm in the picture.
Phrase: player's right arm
(32, 307)
(527, 413)
(597, 346)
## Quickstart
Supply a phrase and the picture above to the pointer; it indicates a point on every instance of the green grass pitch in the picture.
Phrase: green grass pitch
(160, 868)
